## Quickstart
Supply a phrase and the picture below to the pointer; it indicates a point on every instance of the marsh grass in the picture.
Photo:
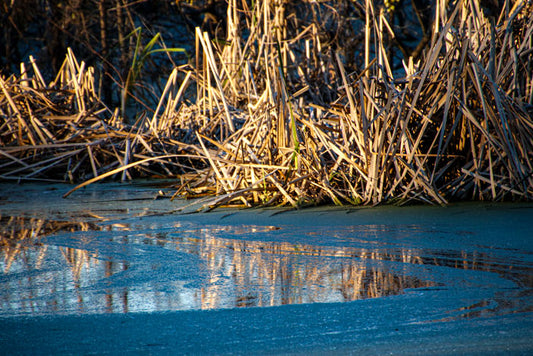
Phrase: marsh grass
(61, 131)
(278, 119)
(456, 127)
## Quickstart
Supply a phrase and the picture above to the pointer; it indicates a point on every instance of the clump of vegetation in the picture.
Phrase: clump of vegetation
(317, 102)
(281, 120)
(62, 131)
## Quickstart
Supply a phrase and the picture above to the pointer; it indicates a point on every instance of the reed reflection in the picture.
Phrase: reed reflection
(19, 234)
(202, 268)
(257, 273)
(42, 278)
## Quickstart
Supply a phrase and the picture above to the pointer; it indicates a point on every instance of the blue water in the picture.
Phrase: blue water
(112, 258)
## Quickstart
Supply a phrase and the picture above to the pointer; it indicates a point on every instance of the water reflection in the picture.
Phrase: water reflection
(97, 268)
(257, 273)
(19, 234)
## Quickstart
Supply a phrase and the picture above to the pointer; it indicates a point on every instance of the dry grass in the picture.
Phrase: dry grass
(278, 120)
(456, 127)
(62, 131)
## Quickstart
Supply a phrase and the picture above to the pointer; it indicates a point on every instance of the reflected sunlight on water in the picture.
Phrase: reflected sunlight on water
(93, 268)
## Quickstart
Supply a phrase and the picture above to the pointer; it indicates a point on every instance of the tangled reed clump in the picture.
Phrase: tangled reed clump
(282, 122)
(278, 119)
(63, 132)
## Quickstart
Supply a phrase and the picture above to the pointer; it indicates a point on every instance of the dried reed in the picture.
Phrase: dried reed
(457, 126)
(278, 119)
(62, 131)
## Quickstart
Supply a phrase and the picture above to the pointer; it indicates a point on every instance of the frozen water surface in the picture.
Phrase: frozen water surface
(111, 269)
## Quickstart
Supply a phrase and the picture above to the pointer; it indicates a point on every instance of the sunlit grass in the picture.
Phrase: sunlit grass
(276, 115)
